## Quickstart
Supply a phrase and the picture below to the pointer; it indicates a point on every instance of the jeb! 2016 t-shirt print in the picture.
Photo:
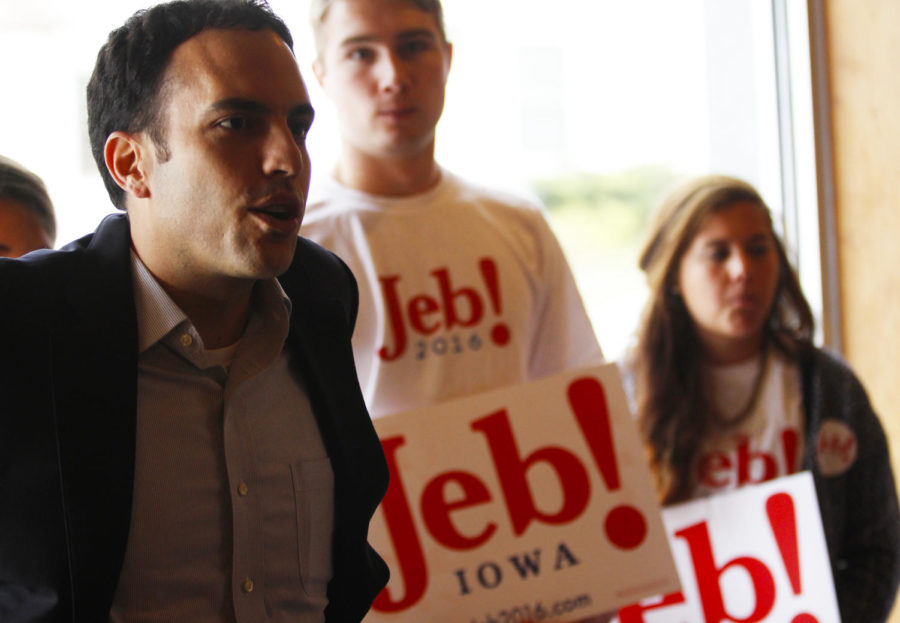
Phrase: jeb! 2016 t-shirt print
(462, 289)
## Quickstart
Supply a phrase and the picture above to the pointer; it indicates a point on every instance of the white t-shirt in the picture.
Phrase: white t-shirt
(462, 289)
(768, 443)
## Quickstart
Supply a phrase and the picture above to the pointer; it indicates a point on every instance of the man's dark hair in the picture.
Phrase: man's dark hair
(125, 91)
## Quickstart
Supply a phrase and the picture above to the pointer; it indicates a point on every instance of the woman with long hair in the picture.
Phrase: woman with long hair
(730, 389)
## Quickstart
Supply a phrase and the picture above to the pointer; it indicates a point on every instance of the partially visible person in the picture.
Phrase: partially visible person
(27, 220)
(724, 367)
(182, 433)
(462, 288)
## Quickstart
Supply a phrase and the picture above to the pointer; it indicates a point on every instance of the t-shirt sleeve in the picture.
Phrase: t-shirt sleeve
(564, 337)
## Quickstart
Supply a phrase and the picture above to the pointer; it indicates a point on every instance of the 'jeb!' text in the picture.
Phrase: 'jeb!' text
(624, 526)
(424, 314)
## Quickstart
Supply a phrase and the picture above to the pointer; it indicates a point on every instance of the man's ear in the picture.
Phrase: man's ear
(318, 68)
(124, 156)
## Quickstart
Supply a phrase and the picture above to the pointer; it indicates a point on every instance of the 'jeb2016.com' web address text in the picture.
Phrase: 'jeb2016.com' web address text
(536, 611)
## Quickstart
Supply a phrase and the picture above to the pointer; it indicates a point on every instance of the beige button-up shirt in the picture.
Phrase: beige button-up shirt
(233, 500)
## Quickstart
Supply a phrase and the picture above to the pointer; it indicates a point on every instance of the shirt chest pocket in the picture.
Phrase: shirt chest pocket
(313, 484)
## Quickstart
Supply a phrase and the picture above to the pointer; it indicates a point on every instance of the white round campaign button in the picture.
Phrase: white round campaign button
(836, 448)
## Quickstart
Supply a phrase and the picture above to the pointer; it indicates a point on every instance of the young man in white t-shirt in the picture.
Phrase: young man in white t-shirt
(462, 289)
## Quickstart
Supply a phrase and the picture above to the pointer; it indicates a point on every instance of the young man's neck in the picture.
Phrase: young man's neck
(220, 321)
(218, 308)
(388, 177)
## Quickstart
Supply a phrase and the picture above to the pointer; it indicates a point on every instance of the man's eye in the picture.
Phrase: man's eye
(234, 123)
(360, 54)
(300, 130)
(414, 46)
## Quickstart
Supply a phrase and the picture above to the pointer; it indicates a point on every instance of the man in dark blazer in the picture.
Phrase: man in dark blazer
(167, 466)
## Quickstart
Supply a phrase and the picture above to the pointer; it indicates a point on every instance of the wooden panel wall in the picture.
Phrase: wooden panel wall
(863, 43)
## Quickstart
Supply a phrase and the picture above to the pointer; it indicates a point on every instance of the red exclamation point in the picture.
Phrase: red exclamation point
(499, 332)
(789, 441)
(625, 525)
(780, 509)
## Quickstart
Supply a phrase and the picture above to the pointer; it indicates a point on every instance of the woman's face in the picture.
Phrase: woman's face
(727, 278)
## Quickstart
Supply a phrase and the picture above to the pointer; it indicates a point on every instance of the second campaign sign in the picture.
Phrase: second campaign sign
(528, 503)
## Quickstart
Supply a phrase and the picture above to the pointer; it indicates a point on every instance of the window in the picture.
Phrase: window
(597, 107)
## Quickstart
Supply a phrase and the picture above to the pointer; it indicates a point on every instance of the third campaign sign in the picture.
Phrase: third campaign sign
(527, 503)
(755, 554)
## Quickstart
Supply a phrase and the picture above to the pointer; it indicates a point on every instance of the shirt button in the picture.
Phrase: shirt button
(247, 586)
(186, 340)
(242, 489)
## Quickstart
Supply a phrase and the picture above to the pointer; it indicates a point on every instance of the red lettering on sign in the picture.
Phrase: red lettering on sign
(781, 515)
(709, 575)
(625, 526)
(436, 509)
(512, 468)
(402, 531)
(783, 519)
(635, 612)
(780, 510)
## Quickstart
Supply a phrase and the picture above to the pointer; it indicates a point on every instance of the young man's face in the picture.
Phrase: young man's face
(229, 200)
(384, 63)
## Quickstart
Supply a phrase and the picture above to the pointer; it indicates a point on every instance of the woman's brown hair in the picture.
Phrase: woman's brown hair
(672, 404)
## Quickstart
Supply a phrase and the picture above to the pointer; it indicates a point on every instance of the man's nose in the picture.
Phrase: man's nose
(393, 74)
(282, 154)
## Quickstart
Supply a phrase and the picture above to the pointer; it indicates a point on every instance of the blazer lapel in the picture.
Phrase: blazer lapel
(322, 347)
(320, 340)
(95, 390)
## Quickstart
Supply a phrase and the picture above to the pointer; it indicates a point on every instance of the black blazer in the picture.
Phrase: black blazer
(68, 398)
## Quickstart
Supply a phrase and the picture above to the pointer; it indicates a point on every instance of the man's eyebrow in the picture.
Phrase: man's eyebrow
(248, 105)
(413, 33)
(238, 103)
(417, 33)
(302, 110)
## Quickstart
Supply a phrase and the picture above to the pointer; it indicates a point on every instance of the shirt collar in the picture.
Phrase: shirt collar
(158, 315)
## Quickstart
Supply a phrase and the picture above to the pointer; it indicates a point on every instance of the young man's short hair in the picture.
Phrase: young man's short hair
(318, 11)
(125, 91)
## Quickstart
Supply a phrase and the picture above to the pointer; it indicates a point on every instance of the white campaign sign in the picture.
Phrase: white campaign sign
(533, 502)
(757, 553)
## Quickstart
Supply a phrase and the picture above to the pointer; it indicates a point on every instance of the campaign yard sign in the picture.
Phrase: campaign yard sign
(532, 502)
(757, 553)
